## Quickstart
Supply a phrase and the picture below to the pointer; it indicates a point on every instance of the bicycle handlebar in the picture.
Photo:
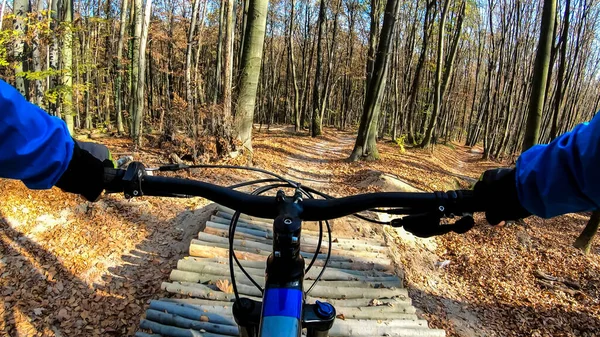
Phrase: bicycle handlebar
(135, 183)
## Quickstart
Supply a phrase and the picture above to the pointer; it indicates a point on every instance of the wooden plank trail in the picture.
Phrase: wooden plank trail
(359, 281)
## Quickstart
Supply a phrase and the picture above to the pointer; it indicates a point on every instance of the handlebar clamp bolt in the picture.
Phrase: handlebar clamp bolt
(441, 208)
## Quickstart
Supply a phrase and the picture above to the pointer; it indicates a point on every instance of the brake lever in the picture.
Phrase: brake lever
(132, 180)
(428, 225)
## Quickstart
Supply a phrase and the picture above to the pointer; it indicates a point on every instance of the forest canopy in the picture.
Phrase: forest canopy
(447, 70)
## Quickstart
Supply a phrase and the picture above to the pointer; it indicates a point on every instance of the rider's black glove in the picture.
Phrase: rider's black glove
(85, 175)
(497, 191)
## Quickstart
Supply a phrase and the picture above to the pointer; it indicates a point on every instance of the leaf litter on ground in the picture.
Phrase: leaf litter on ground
(70, 267)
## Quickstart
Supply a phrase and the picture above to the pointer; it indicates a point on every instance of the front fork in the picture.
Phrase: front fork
(316, 318)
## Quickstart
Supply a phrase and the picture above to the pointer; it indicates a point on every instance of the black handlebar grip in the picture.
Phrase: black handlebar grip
(113, 179)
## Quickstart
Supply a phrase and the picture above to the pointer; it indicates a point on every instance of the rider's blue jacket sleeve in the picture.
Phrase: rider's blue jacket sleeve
(563, 176)
(34, 146)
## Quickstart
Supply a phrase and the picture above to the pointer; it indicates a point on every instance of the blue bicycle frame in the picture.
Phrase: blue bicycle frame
(283, 312)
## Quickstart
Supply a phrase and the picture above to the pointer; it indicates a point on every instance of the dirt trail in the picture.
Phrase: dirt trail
(307, 166)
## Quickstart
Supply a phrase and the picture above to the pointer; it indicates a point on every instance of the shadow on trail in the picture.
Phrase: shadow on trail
(42, 297)
(481, 319)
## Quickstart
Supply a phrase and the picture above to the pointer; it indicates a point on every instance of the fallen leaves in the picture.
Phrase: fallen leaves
(225, 286)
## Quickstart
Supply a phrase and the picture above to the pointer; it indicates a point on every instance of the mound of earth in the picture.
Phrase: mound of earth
(385, 182)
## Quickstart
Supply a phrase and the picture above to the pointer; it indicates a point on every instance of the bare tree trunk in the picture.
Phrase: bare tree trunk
(584, 241)
(316, 101)
(142, 20)
(119, 79)
(2, 9)
(296, 106)
(366, 146)
(414, 91)
(137, 18)
(219, 60)
(560, 85)
(228, 57)
(251, 64)
(21, 10)
(188, 69)
(437, 98)
(67, 63)
(540, 74)
(38, 85)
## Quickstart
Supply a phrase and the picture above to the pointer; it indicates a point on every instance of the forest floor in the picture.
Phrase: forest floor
(69, 267)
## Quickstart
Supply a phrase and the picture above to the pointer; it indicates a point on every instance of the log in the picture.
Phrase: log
(347, 303)
(331, 274)
(383, 312)
(223, 311)
(306, 238)
(197, 301)
(370, 313)
(182, 322)
(208, 313)
(227, 213)
(171, 331)
(266, 244)
(216, 252)
(396, 328)
(339, 273)
(240, 229)
(196, 290)
(345, 293)
(202, 291)
(143, 334)
(208, 252)
(194, 277)
(191, 277)
(383, 261)
(361, 302)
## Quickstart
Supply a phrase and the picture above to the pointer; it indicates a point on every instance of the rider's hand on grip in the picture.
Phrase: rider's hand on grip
(426, 225)
(497, 192)
(84, 175)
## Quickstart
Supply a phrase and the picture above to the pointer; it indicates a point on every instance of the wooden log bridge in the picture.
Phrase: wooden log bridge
(369, 298)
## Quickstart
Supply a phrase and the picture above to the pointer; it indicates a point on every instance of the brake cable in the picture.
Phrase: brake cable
(235, 218)
(233, 227)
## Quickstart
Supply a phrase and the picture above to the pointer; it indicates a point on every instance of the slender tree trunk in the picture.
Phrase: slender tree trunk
(316, 101)
(296, 106)
(219, 60)
(560, 87)
(251, 64)
(139, 105)
(137, 18)
(119, 70)
(584, 241)
(2, 9)
(21, 10)
(243, 34)
(414, 90)
(366, 146)
(540, 74)
(437, 98)
(200, 92)
(67, 64)
(38, 85)
(373, 33)
(137, 13)
(228, 57)
(188, 69)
